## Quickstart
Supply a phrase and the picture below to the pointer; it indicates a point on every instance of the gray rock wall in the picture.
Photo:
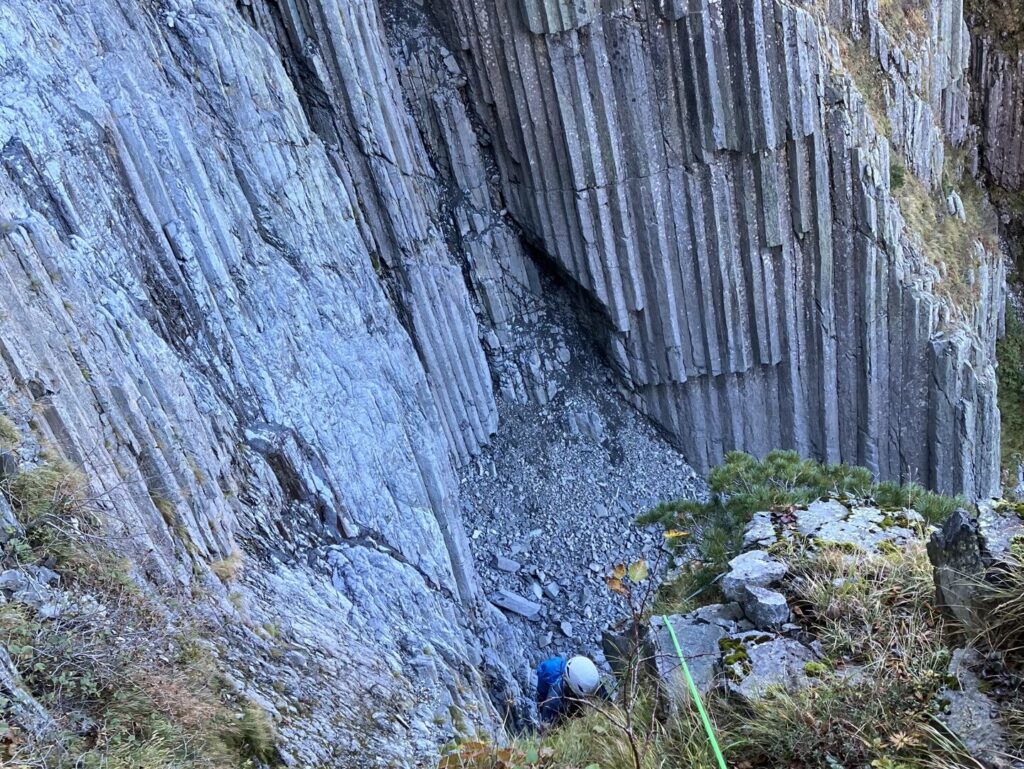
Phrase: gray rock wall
(999, 107)
(708, 175)
(227, 296)
(260, 275)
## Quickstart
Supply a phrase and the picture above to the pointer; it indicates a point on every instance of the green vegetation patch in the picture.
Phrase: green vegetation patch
(1010, 354)
(742, 486)
(9, 435)
(129, 687)
(1002, 20)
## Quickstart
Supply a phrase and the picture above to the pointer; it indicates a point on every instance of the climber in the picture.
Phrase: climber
(563, 686)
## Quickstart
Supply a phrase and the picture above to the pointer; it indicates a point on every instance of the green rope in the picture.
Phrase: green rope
(696, 696)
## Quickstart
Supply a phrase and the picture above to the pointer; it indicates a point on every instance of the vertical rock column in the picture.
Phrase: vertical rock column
(709, 176)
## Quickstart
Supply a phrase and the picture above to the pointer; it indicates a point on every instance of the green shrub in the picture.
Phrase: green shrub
(742, 485)
(873, 703)
(897, 174)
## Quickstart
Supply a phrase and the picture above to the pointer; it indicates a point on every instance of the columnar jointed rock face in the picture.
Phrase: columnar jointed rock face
(707, 174)
(999, 103)
(191, 309)
(252, 256)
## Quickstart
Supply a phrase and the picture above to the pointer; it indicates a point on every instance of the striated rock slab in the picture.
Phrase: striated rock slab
(699, 642)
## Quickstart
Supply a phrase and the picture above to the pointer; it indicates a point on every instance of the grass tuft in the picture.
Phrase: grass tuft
(9, 435)
(227, 569)
(129, 686)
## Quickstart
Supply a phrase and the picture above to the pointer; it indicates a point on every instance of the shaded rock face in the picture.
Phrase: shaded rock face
(958, 553)
(998, 97)
(702, 173)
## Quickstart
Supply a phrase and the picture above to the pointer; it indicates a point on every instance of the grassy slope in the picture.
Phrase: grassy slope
(130, 686)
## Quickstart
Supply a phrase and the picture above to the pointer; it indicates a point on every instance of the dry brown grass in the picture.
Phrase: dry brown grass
(901, 17)
(1002, 20)
(227, 569)
(140, 677)
(870, 80)
(947, 242)
(9, 435)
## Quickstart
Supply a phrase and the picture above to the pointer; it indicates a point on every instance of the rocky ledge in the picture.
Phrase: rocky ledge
(803, 569)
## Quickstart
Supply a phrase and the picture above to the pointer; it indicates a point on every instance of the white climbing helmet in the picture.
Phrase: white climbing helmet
(582, 676)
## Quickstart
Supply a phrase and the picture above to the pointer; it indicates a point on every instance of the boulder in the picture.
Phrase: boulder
(699, 643)
(8, 465)
(754, 567)
(958, 554)
(767, 609)
(12, 580)
(775, 661)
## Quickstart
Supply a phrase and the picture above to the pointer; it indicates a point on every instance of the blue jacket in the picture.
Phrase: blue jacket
(551, 705)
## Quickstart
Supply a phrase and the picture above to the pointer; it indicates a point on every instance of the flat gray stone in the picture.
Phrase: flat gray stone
(777, 662)
(516, 604)
(699, 643)
(723, 614)
(809, 521)
(971, 714)
(754, 567)
(501, 563)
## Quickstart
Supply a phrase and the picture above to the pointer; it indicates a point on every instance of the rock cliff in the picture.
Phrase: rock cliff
(269, 268)
(713, 179)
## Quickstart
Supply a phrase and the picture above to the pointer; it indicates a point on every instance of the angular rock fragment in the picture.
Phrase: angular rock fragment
(767, 609)
(754, 567)
(516, 604)
(773, 662)
(502, 563)
(958, 553)
(699, 643)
